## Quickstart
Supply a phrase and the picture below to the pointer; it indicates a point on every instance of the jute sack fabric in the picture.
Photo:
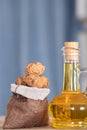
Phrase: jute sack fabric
(24, 112)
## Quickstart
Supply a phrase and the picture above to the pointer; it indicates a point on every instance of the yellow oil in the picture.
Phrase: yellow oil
(69, 109)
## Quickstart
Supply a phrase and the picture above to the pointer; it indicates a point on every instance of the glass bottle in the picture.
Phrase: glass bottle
(83, 80)
(69, 109)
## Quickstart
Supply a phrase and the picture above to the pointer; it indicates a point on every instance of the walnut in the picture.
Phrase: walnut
(21, 80)
(36, 68)
(34, 80)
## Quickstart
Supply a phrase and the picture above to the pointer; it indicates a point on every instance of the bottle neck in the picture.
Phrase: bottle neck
(71, 76)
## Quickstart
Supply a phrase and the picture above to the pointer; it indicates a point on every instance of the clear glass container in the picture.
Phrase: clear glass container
(83, 80)
(69, 109)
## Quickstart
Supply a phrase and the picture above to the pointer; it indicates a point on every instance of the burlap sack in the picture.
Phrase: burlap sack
(25, 113)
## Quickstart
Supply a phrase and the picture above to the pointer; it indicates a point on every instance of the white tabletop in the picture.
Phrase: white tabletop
(35, 128)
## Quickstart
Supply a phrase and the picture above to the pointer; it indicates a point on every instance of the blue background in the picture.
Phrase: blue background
(34, 30)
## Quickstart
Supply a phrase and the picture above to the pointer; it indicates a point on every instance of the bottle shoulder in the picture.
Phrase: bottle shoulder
(70, 98)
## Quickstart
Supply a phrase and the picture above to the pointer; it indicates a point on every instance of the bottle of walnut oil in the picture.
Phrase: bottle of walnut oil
(69, 109)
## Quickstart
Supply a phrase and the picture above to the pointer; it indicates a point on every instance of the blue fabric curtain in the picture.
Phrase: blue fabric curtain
(33, 30)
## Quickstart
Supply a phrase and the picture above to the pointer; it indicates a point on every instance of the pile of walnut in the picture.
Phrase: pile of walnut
(34, 77)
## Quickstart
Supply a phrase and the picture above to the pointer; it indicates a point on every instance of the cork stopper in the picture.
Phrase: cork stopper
(71, 50)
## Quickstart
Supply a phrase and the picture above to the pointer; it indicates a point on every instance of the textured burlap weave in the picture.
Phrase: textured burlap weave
(25, 113)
